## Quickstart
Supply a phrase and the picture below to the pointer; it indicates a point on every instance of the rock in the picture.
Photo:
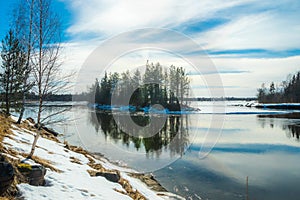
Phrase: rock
(50, 130)
(111, 176)
(34, 173)
(36, 177)
(31, 120)
(6, 176)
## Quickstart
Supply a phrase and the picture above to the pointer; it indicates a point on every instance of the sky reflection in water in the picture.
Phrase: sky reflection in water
(264, 149)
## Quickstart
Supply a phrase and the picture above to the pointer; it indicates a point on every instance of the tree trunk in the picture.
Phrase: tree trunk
(22, 111)
(40, 76)
(39, 128)
(36, 137)
(27, 70)
(7, 97)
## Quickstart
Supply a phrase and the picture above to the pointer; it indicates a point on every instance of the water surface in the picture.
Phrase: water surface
(266, 150)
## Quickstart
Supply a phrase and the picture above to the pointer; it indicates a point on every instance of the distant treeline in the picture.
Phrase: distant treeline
(286, 92)
(87, 96)
(167, 87)
(222, 99)
(50, 97)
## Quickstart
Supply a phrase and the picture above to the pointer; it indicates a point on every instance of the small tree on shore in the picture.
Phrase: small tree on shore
(23, 25)
(11, 77)
(46, 66)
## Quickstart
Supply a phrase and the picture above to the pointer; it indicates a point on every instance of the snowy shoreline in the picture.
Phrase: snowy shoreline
(75, 170)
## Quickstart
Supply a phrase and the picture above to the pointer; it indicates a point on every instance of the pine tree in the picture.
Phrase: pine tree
(287, 92)
(167, 88)
(22, 22)
(11, 77)
(97, 91)
(137, 96)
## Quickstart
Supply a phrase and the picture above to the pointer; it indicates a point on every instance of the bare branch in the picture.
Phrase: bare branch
(56, 113)
(46, 58)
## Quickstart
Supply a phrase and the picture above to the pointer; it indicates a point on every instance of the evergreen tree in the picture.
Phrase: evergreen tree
(153, 79)
(272, 88)
(137, 96)
(173, 79)
(184, 84)
(11, 77)
(261, 96)
(287, 92)
(104, 90)
(97, 91)
(156, 87)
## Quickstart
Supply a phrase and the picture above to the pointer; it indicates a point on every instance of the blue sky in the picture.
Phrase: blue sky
(252, 40)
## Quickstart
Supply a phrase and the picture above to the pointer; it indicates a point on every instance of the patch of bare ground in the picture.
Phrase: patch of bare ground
(75, 160)
(14, 157)
(5, 131)
(43, 162)
(27, 126)
(98, 168)
(150, 181)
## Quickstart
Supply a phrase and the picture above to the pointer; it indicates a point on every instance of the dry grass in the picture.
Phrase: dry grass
(12, 193)
(5, 125)
(97, 166)
(120, 191)
(5, 131)
(134, 194)
(45, 134)
(75, 160)
(43, 162)
(7, 198)
(150, 181)
(78, 150)
(92, 172)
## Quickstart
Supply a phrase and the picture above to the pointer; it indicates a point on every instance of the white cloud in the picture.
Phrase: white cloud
(266, 25)
(257, 31)
(241, 84)
(275, 28)
(260, 71)
(111, 17)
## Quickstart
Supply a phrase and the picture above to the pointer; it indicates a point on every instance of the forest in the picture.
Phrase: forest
(287, 91)
(156, 85)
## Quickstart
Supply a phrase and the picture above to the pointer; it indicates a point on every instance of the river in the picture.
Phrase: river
(266, 150)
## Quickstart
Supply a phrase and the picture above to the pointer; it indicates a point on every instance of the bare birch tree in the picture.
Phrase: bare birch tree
(46, 68)
(23, 24)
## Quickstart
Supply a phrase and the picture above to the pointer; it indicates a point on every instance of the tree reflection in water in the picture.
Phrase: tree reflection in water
(174, 135)
(292, 129)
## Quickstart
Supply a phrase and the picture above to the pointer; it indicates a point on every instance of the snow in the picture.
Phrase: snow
(74, 182)
(233, 108)
(144, 190)
(282, 104)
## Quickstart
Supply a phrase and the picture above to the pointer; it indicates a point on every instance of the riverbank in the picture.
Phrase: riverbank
(72, 172)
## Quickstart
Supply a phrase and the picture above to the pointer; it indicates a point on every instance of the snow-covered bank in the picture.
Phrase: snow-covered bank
(235, 108)
(70, 174)
(281, 106)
